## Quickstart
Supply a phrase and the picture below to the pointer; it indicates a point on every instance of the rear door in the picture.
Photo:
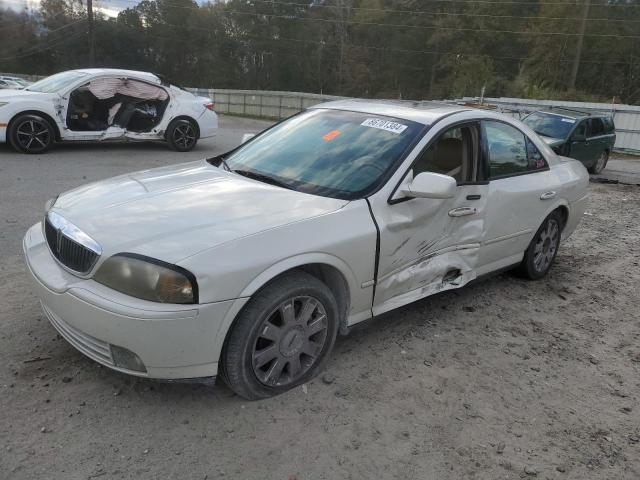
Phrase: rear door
(429, 245)
(597, 139)
(578, 144)
(521, 186)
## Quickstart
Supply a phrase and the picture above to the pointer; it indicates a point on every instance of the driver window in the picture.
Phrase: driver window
(452, 154)
(581, 130)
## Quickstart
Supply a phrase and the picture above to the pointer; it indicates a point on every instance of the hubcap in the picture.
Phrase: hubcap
(290, 341)
(184, 135)
(546, 245)
(33, 135)
(601, 161)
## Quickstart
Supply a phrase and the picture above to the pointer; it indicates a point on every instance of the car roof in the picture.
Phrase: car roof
(117, 71)
(424, 112)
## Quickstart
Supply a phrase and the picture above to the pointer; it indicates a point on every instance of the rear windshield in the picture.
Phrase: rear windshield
(55, 82)
(328, 152)
(550, 125)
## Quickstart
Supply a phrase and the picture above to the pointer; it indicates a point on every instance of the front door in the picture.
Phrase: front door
(430, 245)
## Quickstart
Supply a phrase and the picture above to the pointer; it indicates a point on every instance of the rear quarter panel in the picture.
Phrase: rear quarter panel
(574, 189)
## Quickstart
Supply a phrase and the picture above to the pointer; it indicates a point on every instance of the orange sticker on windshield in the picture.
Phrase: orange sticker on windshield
(331, 135)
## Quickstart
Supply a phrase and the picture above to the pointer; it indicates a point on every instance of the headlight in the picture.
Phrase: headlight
(148, 279)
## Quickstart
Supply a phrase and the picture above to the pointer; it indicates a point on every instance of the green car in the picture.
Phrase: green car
(572, 133)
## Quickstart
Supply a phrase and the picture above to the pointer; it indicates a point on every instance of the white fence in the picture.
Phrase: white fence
(625, 117)
(276, 105)
(257, 103)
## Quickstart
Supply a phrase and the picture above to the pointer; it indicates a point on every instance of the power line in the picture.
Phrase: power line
(454, 14)
(44, 49)
(371, 47)
(422, 27)
(426, 27)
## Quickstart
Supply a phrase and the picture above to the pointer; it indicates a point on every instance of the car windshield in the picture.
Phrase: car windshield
(55, 82)
(326, 152)
(550, 125)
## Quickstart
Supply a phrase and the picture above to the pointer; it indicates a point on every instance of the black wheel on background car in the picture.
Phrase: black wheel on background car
(600, 164)
(543, 248)
(31, 134)
(182, 135)
(282, 338)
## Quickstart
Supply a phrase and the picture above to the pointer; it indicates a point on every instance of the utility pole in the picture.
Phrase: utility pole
(92, 55)
(576, 60)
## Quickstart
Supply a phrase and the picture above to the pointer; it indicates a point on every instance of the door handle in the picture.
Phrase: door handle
(547, 195)
(462, 211)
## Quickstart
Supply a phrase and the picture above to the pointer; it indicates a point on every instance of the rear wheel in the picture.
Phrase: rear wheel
(31, 134)
(600, 164)
(282, 338)
(543, 248)
(182, 135)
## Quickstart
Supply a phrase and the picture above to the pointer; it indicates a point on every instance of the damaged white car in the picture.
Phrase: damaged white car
(248, 264)
(103, 104)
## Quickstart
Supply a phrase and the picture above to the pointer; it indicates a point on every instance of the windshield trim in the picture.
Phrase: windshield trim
(323, 191)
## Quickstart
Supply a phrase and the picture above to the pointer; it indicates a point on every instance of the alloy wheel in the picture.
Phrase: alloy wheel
(184, 135)
(290, 341)
(602, 161)
(33, 135)
(546, 245)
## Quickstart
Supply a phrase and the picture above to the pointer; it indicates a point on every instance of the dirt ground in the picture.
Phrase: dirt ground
(503, 379)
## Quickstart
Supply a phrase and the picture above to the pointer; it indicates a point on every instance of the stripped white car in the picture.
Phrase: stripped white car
(248, 264)
(103, 104)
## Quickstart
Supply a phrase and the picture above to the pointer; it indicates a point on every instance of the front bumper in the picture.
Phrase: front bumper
(172, 341)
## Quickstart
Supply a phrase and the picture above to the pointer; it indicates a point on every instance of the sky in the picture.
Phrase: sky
(108, 7)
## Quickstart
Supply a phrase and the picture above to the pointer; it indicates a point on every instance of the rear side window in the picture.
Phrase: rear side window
(510, 151)
(597, 127)
(609, 127)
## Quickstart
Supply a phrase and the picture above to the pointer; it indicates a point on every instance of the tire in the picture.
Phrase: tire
(30, 133)
(543, 248)
(182, 135)
(600, 164)
(272, 331)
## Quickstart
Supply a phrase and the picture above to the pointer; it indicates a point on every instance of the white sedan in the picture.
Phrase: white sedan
(103, 104)
(248, 264)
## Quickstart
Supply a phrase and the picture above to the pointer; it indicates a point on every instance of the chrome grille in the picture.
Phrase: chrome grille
(71, 254)
(62, 238)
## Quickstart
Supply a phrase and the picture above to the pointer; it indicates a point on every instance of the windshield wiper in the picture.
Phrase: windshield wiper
(262, 178)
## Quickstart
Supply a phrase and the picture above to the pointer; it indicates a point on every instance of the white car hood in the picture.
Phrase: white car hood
(174, 212)
(9, 93)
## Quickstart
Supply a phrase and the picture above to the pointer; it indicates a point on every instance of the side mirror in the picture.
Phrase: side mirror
(246, 137)
(431, 185)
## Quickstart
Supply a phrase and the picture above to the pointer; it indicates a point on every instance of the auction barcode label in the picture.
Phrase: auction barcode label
(387, 125)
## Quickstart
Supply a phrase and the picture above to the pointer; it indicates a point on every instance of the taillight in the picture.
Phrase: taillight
(209, 106)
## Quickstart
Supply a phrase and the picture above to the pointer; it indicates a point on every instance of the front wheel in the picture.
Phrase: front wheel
(600, 164)
(31, 134)
(543, 248)
(182, 135)
(282, 338)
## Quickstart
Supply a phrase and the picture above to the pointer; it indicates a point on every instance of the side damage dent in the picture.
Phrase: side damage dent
(443, 270)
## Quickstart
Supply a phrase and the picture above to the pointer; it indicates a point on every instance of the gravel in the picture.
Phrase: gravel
(456, 405)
